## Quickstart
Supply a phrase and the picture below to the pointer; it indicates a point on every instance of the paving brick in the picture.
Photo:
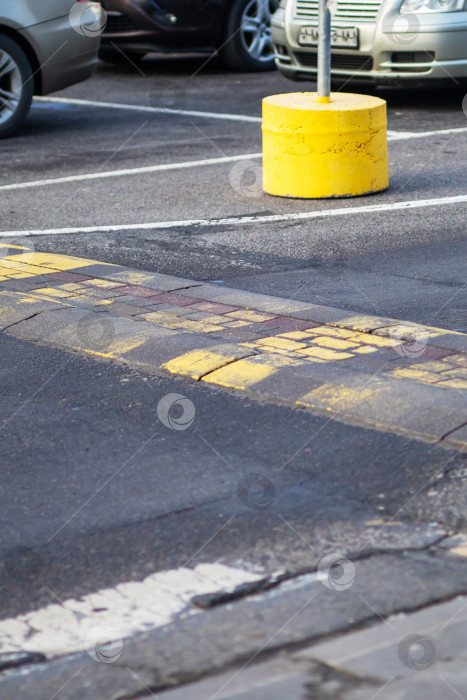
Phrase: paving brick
(124, 309)
(213, 308)
(198, 363)
(138, 291)
(280, 343)
(158, 350)
(69, 276)
(249, 300)
(21, 285)
(288, 324)
(136, 301)
(429, 411)
(104, 284)
(247, 315)
(175, 299)
(163, 283)
(456, 359)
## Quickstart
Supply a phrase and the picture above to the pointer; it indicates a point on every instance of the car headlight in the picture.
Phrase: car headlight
(415, 6)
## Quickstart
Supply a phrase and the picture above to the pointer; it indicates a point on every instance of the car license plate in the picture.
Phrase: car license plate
(341, 37)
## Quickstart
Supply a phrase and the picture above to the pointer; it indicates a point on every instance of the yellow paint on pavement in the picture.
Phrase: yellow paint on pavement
(198, 363)
(245, 373)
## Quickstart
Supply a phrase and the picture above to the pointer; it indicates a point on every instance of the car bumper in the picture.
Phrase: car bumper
(65, 56)
(384, 56)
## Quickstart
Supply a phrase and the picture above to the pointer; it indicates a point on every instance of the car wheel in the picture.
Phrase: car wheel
(248, 42)
(16, 86)
(111, 56)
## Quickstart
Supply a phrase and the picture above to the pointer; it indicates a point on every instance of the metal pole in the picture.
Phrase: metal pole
(324, 52)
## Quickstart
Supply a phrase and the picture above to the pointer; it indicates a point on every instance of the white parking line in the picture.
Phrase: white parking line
(404, 135)
(98, 622)
(244, 220)
(154, 110)
(392, 135)
(128, 171)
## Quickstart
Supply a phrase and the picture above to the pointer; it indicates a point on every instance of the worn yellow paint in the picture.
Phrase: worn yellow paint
(325, 354)
(416, 374)
(339, 397)
(331, 331)
(409, 331)
(170, 321)
(197, 363)
(280, 343)
(9, 246)
(20, 270)
(365, 349)
(248, 372)
(247, 315)
(52, 292)
(459, 551)
(318, 150)
(236, 324)
(48, 261)
(373, 340)
(296, 335)
(334, 343)
(455, 384)
(458, 373)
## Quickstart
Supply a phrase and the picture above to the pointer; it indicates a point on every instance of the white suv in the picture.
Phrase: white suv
(380, 41)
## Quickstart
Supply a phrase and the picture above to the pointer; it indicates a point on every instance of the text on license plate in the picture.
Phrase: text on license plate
(340, 36)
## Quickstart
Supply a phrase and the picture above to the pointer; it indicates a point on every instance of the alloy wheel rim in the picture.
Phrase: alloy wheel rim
(10, 86)
(255, 29)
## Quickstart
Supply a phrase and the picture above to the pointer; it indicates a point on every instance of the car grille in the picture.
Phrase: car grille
(118, 23)
(362, 10)
(338, 61)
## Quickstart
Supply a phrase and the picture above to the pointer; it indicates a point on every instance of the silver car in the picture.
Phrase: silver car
(45, 45)
(380, 41)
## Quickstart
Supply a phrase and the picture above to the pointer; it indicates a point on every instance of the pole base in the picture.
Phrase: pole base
(315, 149)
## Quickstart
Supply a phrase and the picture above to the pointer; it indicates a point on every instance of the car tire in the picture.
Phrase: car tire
(247, 44)
(112, 56)
(16, 86)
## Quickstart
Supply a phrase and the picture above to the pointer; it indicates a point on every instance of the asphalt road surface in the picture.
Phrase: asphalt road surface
(406, 264)
(96, 490)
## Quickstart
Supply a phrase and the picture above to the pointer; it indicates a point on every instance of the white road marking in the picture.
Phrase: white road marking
(120, 612)
(404, 135)
(129, 171)
(154, 110)
(392, 135)
(244, 220)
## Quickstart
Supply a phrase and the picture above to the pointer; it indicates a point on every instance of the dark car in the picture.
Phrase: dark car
(238, 29)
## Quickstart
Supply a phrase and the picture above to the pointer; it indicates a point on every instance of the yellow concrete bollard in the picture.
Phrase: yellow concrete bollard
(318, 149)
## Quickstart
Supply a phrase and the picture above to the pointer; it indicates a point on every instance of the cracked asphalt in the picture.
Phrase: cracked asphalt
(252, 486)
